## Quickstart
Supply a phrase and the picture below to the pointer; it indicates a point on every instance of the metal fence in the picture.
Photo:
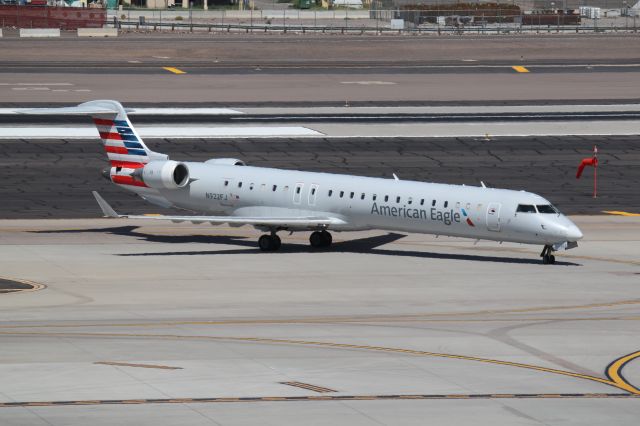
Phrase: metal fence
(367, 21)
(401, 21)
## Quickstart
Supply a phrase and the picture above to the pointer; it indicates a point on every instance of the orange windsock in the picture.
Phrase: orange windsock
(593, 161)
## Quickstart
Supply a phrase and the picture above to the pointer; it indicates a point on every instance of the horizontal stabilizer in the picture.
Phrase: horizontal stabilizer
(107, 210)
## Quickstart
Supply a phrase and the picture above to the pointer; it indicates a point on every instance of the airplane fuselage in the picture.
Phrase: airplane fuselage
(371, 203)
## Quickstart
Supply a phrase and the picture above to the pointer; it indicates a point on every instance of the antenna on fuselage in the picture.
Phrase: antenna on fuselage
(483, 185)
(395, 177)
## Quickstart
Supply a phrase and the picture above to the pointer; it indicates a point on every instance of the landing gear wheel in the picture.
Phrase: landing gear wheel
(269, 242)
(547, 257)
(328, 239)
(276, 243)
(316, 239)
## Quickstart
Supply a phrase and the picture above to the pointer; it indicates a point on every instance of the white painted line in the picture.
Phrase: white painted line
(30, 88)
(36, 84)
(35, 132)
(150, 111)
(370, 83)
(184, 111)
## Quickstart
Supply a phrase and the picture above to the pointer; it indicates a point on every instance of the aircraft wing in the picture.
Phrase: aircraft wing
(293, 221)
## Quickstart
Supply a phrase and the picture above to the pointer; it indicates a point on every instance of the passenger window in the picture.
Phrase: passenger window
(226, 183)
(433, 203)
(362, 196)
(386, 198)
(374, 197)
(446, 203)
(468, 206)
(313, 191)
(410, 200)
(275, 187)
(422, 202)
(239, 184)
(458, 205)
(351, 195)
(263, 187)
(330, 192)
(286, 188)
(397, 199)
(297, 190)
(525, 208)
(341, 194)
(251, 187)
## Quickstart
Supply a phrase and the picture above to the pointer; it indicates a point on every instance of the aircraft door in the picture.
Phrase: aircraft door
(493, 217)
(313, 193)
(230, 193)
(297, 193)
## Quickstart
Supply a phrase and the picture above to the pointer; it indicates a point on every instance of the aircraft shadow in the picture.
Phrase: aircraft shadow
(368, 245)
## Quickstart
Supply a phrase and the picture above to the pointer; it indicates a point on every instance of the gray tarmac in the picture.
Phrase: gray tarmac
(192, 325)
(310, 68)
(54, 178)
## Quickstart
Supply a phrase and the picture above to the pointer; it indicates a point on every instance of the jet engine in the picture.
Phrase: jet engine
(226, 161)
(164, 174)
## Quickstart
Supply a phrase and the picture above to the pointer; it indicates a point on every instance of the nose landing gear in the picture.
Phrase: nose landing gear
(547, 257)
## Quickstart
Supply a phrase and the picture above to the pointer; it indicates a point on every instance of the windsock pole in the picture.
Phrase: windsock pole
(595, 172)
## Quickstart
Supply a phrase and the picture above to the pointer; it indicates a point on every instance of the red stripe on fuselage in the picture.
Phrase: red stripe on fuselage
(126, 164)
(116, 149)
(102, 122)
(127, 180)
(111, 136)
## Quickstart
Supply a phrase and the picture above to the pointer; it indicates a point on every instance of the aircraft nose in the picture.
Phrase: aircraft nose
(573, 233)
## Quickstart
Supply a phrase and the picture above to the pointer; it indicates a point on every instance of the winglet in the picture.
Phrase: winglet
(104, 206)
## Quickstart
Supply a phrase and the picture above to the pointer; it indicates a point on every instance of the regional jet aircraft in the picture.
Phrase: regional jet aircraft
(273, 200)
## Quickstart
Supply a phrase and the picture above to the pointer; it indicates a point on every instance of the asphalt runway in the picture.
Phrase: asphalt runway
(193, 325)
(280, 69)
(54, 178)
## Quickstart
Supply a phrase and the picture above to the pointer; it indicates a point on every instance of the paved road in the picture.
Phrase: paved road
(53, 178)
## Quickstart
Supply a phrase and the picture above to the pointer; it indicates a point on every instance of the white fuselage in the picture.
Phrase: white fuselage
(371, 203)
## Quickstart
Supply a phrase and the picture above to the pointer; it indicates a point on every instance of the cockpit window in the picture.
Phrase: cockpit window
(525, 208)
(546, 208)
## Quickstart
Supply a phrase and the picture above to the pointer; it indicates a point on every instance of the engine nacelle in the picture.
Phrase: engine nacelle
(164, 174)
(226, 161)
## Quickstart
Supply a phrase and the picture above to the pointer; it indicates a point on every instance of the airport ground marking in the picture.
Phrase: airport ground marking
(621, 213)
(620, 382)
(317, 398)
(174, 70)
(128, 364)
(308, 386)
(614, 372)
(520, 68)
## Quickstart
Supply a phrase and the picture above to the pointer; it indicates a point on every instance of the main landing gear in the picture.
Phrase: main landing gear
(547, 257)
(320, 239)
(271, 242)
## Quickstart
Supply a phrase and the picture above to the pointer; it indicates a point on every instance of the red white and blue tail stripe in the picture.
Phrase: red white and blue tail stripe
(123, 146)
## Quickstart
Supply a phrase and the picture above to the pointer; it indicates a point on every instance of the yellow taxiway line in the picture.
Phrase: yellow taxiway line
(519, 68)
(174, 70)
(619, 213)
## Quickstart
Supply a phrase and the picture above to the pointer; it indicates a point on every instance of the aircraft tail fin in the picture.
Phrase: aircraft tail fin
(124, 147)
